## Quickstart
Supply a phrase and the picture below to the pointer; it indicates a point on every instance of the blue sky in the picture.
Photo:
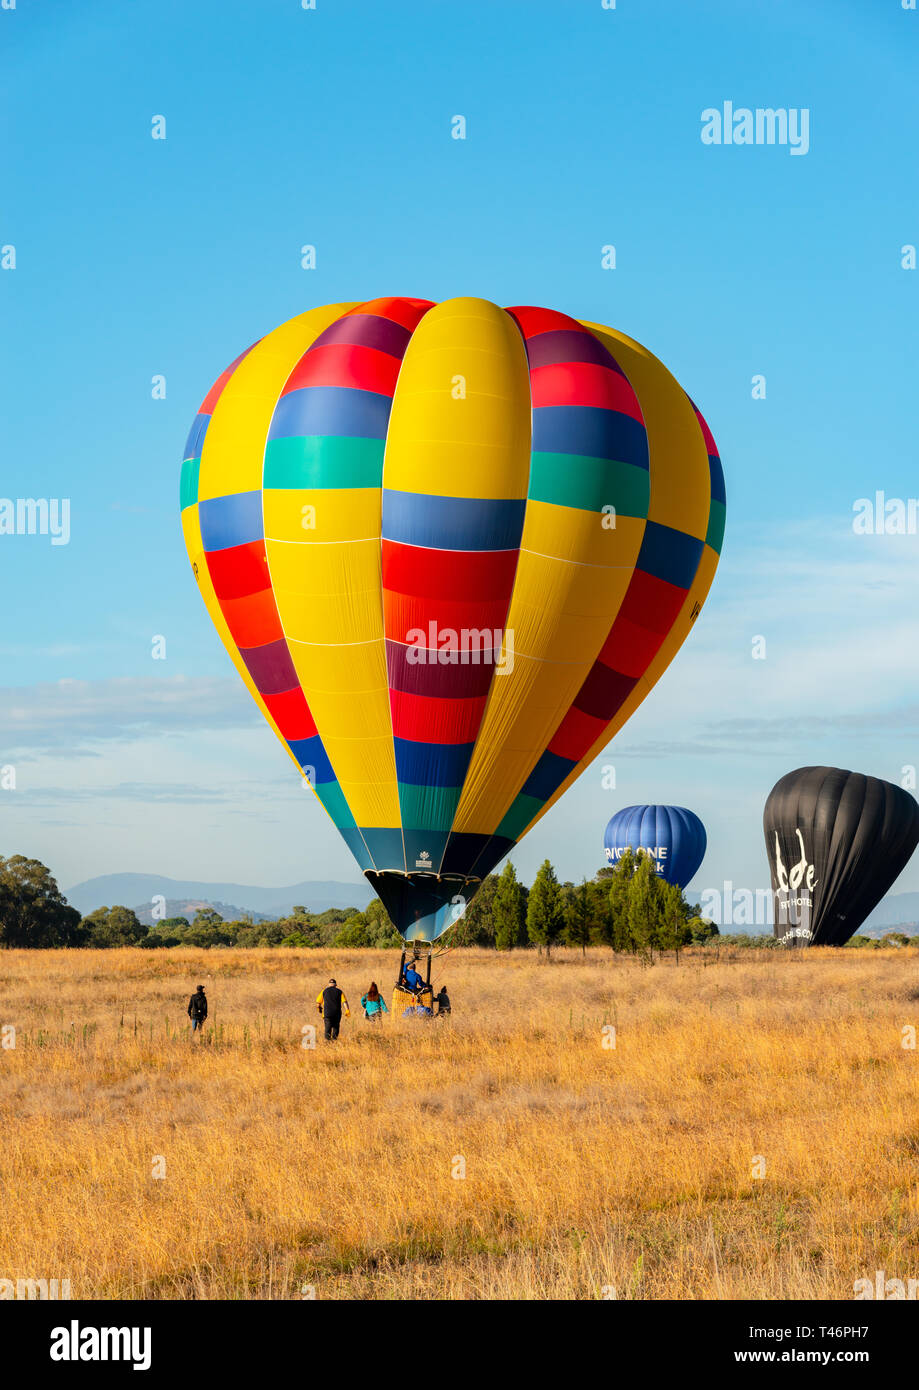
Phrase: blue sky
(332, 127)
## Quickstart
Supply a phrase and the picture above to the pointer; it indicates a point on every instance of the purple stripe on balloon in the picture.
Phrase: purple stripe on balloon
(366, 330)
(566, 345)
(442, 681)
(603, 691)
(270, 667)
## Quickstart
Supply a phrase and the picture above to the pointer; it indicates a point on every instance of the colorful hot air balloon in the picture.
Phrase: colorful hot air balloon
(673, 836)
(449, 548)
(836, 841)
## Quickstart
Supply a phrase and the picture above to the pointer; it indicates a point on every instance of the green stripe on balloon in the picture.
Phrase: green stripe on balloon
(428, 808)
(323, 461)
(517, 818)
(589, 484)
(188, 483)
(715, 534)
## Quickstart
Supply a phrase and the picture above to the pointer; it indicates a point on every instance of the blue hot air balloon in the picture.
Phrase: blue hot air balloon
(673, 836)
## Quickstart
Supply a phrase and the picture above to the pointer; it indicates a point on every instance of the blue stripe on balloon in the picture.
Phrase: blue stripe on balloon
(310, 753)
(717, 477)
(232, 520)
(195, 441)
(431, 764)
(591, 431)
(336, 410)
(669, 555)
(452, 523)
(547, 776)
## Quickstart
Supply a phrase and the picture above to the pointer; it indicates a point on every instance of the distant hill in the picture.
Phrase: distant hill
(185, 907)
(896, 910)
(231, 900)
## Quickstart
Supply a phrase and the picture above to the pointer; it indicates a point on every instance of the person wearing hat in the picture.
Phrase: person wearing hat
(197, 1009)
(332, 1001)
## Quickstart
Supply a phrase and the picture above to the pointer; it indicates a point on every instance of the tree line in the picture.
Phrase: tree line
(628, 908)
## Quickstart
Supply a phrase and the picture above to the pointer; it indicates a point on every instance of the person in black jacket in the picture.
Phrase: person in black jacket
(442, 1000)
(331, 1001)
(197, 1009)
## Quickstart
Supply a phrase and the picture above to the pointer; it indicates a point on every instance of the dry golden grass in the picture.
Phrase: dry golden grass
(585, 1167)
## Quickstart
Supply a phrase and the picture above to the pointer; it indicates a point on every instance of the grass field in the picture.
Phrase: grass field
(587, 1168)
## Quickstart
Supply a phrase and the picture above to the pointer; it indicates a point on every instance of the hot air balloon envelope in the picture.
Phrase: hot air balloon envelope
(671, 835)
(449, 549)
(836, 841)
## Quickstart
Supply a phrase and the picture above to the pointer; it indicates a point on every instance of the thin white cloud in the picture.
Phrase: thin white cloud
(71, 713)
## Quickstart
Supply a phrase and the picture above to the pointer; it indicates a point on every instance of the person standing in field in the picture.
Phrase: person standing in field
(332, 1001)
(373, 1004)
(197, 1009)
(442, 1000)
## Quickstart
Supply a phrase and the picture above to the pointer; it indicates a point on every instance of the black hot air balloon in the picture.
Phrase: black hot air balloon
(836, 841)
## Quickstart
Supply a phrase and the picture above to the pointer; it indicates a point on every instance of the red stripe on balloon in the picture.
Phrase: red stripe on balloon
(239, 570)
(576, 735)
(474, 575)
(652, 602)
(584, 383)
(630, 648)
(532, 320)
(290, 712)
(405, 614)
(346, 364)
(425, 719)
(253, 619)
(407, 312)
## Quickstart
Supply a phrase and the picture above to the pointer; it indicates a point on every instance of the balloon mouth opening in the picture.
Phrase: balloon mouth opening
(423, 905)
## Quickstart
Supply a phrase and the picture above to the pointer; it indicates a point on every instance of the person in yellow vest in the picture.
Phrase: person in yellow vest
(332, 1002)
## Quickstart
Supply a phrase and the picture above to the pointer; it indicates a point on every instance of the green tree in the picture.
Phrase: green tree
(577, 918)
(301, 931)
(380, 926)
(207, 934)
(207, 917)
(354, 932)
(619, 934)
(298, 938)
(508, 910)
(644, 908)
(545, 918)
(476, 927)
(701, 930)
(159, 940)
(108, 927)
(33, 910)
(674, 932)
